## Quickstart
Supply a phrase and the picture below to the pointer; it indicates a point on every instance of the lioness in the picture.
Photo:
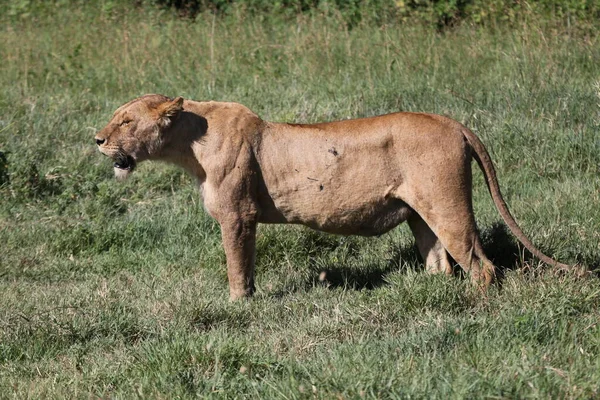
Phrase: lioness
(353, 177)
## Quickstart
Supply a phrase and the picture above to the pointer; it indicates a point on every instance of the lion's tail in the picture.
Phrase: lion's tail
(485, 163)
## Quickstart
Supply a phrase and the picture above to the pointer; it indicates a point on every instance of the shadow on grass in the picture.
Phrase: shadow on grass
(499, 245)
(498, 242)
(502, 249)
(369, 276)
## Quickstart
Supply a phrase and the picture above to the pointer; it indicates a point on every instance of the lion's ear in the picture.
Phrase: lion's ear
(169, 110)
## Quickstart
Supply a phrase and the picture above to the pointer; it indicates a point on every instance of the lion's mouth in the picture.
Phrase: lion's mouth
(125, 163)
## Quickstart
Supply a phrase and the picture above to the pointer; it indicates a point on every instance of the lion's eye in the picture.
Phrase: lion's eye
(124, 123)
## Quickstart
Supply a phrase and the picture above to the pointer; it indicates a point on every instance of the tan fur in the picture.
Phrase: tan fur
(354, 177)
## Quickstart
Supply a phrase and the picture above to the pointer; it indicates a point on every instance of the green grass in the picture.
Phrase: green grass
(119, 289)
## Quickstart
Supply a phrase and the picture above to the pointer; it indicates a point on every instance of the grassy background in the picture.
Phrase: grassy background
(119, 289)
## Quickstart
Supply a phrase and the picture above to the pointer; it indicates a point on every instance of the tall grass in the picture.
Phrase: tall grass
(119, 289)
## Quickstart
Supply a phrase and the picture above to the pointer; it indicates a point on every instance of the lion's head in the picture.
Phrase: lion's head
(135, 132)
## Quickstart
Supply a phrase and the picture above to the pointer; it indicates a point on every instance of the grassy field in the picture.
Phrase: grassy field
(119, 289)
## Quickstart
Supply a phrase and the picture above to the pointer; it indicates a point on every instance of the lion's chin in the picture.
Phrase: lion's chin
(124, 166)
(122, 173)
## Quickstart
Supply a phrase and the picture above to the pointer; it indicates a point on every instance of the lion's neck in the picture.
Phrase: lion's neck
(181, 142)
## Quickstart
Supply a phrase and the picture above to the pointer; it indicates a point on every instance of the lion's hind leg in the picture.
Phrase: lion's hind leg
(452, 223)
(434, 254)
(460, 238)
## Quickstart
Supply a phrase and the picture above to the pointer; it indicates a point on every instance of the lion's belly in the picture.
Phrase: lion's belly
(367, 220)
(352, 214)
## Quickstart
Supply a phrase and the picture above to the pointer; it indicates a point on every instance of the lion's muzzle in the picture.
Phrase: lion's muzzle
(125, 162)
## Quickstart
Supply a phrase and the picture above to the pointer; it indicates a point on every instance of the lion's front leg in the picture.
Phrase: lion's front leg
(239, 242)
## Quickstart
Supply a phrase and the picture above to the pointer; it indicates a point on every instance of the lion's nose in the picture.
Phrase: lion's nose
(100, 141)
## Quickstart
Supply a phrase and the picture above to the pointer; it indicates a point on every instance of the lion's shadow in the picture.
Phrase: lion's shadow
(499, 245)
